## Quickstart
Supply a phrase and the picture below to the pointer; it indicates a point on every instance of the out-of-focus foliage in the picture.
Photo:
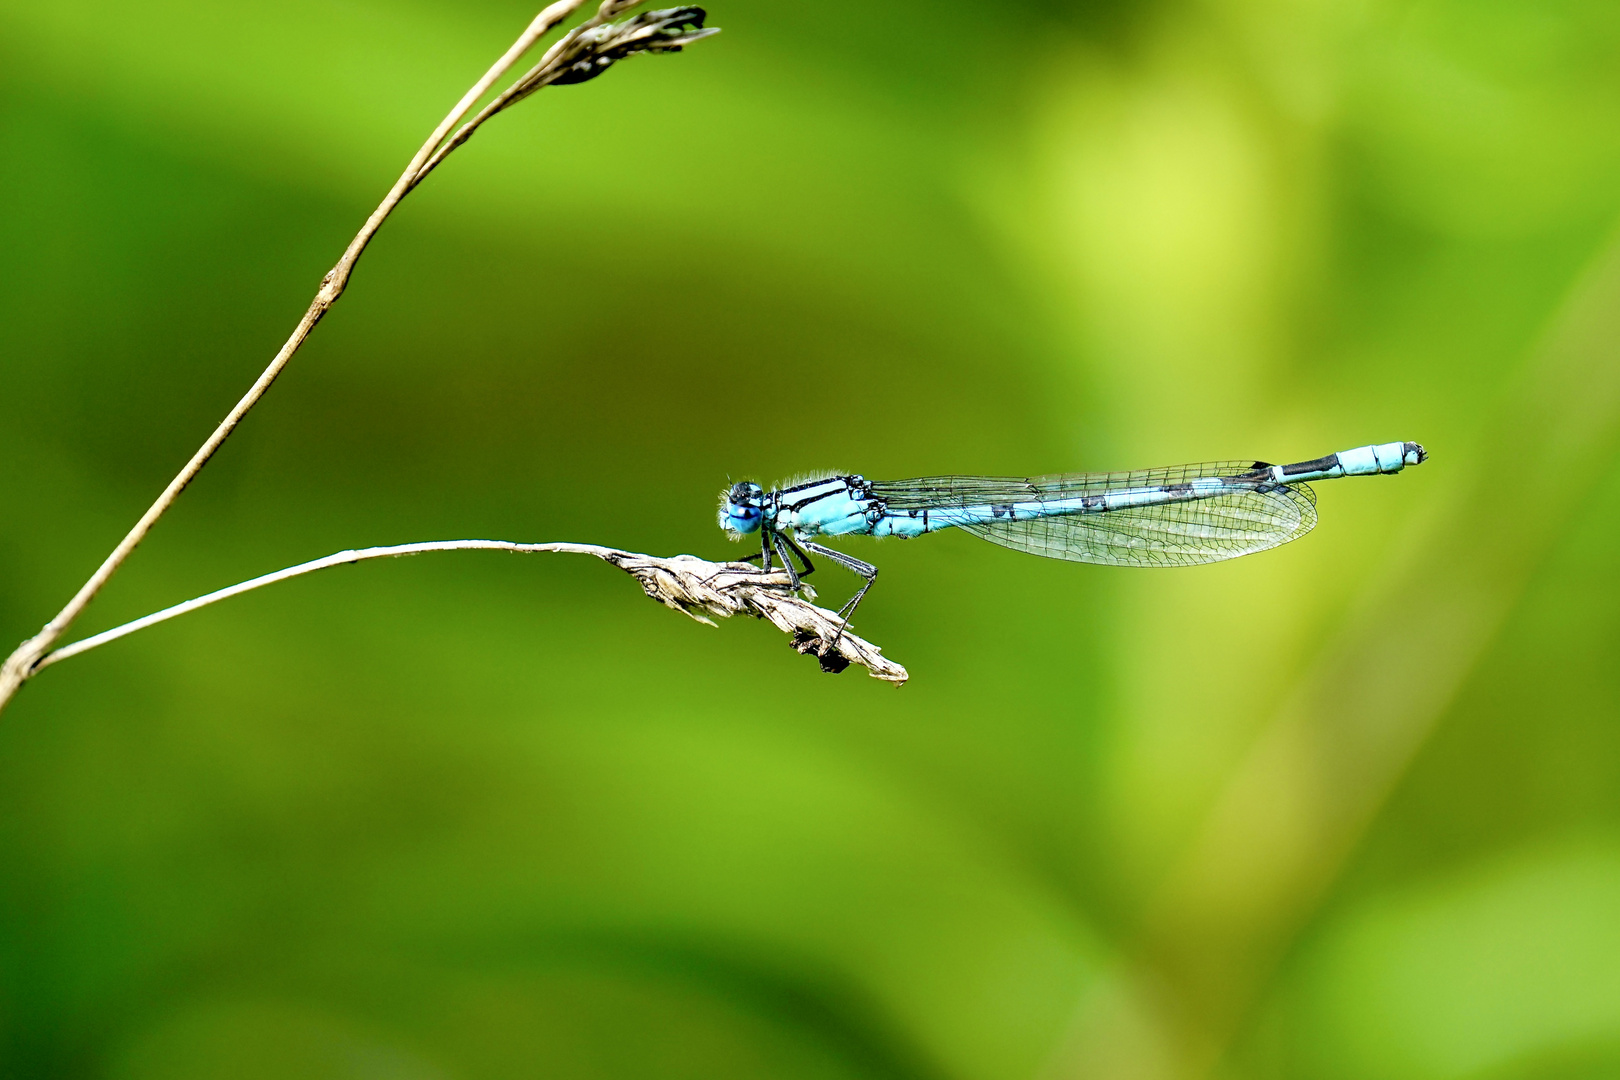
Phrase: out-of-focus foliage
(1350, 809)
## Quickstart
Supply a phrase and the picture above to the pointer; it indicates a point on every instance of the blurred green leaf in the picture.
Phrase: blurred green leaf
(1501, 970)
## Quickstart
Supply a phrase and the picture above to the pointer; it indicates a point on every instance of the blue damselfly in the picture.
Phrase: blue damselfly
(1176, 516)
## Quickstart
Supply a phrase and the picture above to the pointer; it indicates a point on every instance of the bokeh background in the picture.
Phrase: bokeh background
(1350, 809)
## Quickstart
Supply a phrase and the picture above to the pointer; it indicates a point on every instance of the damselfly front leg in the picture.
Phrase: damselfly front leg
(781, 545)
(784, 544)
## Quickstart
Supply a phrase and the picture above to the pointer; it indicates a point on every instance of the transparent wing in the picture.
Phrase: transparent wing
(1170, 534)
(1251, 514)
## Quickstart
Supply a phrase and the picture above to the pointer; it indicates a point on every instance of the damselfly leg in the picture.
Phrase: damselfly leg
(784, 545)
(781, 545)
(855, 566)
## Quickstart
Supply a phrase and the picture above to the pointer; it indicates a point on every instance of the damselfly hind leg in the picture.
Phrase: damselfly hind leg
(856, 566)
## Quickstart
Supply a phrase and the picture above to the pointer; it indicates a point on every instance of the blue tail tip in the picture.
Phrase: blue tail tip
(1414, 454)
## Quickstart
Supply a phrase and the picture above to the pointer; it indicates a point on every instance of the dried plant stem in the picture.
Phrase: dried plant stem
(29, 656)
(686, 583)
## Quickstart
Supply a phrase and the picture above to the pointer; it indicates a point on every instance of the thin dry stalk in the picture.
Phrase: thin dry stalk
(582, 53)
(697, 587)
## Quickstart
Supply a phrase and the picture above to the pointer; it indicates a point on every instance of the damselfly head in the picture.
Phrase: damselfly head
(741, 508)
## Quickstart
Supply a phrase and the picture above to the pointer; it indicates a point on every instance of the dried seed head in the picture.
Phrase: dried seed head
(594, 50)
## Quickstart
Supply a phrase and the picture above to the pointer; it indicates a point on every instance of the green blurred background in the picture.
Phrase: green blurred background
(1350, 809)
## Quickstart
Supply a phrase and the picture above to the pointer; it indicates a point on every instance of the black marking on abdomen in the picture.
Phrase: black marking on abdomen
(1321, 464)
(1260, 470)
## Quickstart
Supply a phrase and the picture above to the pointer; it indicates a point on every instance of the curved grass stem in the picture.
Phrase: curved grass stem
(696, 587)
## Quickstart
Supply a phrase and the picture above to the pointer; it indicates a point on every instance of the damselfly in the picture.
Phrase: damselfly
(1175, 516)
